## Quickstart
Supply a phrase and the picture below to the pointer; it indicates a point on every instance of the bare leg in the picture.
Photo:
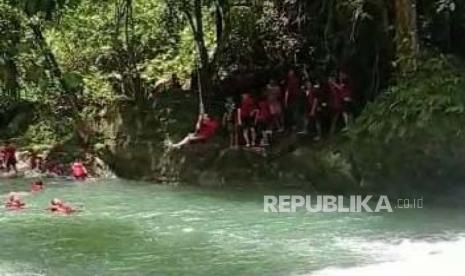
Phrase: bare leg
(254, 136)
(246, 137)
(188, 139)
(334, 122)
(318, 130)
(231, 139)
(281, 123)
(346, 118)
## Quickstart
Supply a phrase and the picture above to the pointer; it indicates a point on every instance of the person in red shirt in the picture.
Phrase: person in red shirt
(291, 98)
(14, 202)
(58, 206)
(246, 119)
(206, 128)
(340, 102)
(10, 157)
(78, 170)
(263, 121)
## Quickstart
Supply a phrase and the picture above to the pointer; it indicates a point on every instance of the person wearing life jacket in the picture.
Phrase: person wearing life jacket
(37, 186)
(78, 170)
(14, 202)
(58, 206)
(206, 128)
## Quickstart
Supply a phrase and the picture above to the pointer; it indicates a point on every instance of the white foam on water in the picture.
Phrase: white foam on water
(16, 269)
(408, 258)
(188, 230)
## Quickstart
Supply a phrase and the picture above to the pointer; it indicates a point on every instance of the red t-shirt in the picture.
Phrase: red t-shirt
(208, 128)
(247, 107)
(78, 170)
(264, 111)
(292, 86)
(10, 153)
(335, 100)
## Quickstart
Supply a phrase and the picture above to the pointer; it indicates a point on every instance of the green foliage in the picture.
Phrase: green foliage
(411, 137)
(42, 133)
(415, 103)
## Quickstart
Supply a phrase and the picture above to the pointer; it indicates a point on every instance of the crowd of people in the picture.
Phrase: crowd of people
(51, 168)
(290, 105)
(293, 104)
(14, 202)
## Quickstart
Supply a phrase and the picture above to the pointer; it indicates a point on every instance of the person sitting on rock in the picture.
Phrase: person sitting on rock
(14, 202)
(206, 128)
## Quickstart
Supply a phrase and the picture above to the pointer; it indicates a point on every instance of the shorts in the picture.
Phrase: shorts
(248, 122)
(275, 108)
(11, 162)
(231, 126)
(263, 126)
(347, 106)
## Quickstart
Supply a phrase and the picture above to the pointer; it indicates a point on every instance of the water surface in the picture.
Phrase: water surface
(130, 228)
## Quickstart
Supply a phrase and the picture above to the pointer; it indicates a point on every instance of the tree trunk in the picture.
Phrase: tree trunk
(219, 22)
(11, 81)
(406, 35)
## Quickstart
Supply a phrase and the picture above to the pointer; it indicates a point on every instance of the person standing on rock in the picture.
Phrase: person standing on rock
(276, 111)
(9, 153)
(246, 119)
(230, 122)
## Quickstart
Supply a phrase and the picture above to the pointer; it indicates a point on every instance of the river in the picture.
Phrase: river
(132, 228)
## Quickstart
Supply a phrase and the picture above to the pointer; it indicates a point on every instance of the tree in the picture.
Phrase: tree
(406, 37)
(12, 32)
(195, 13)
(37, 12)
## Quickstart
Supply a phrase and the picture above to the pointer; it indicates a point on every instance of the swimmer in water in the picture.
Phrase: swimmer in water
(79, 171)
(14, 202)
(37, 186)
(58, 206)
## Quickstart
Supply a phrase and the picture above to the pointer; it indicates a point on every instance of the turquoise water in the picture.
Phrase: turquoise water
(142, 229)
